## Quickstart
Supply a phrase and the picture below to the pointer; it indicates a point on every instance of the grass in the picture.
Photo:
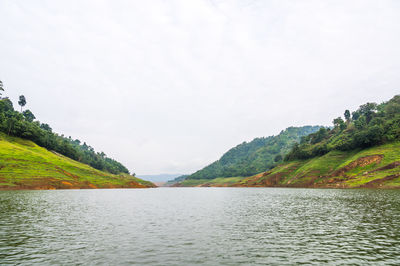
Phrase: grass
(23, 164)
(391, 154)
(323, 170)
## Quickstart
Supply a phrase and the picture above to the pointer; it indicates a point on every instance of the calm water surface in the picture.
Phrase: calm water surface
(211, 226)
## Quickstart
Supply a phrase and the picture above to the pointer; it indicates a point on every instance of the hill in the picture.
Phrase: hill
(25, 125)
(25, 165)
(361, 151)
(32, 156)
(253, 157)
(375, 167)
(370, 125)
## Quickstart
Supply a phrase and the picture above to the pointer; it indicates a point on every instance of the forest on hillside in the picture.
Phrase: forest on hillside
(23, 124)
(256, 156)
(371, 124)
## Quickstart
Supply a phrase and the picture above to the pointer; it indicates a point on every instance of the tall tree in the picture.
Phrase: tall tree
(347, 115)
(22, 101)
(1, 87)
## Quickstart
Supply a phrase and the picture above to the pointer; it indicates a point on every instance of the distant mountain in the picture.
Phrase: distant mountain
(253, 157)
(175, 180)
(159, 177)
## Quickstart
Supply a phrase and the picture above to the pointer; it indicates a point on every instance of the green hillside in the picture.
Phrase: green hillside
(362, 150)
(25, 125)
(377, 167)
(25, 165)
(253, 157)
(32, 156)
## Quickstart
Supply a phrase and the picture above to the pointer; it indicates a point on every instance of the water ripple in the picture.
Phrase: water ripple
(208, 226)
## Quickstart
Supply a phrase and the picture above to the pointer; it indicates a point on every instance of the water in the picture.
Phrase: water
(210, 226)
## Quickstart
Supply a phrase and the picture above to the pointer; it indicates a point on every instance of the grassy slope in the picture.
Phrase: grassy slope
(374, 167)
(24, 165)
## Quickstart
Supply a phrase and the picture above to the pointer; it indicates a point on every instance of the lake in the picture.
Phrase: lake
(209, 226)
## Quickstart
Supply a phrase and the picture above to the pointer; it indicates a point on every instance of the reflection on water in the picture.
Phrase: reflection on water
(170, 226)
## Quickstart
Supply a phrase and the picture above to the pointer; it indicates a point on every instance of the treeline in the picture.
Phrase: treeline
(371, 124)
(253, 157)
(23, 124)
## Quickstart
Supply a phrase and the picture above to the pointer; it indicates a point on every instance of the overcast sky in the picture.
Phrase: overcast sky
(169, 86)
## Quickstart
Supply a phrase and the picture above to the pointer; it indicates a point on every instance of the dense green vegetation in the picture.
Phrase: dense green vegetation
(25, 165)
(23, 124)
(372, 124)
(254, 157)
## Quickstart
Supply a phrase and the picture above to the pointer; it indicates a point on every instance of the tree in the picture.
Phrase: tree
(10, 124)
(347, 115)
(46, 127)
(319, 135)
(6, 105)
(278, 158)
(355, 115)
(22, 101)
(1, 87)
(368, 110)
(339, 123)
(393, 107)
(360, 123)
(29, 116)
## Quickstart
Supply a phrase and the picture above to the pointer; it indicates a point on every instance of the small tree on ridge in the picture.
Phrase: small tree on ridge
(22, 101)
(1, 88)
(347, 115)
